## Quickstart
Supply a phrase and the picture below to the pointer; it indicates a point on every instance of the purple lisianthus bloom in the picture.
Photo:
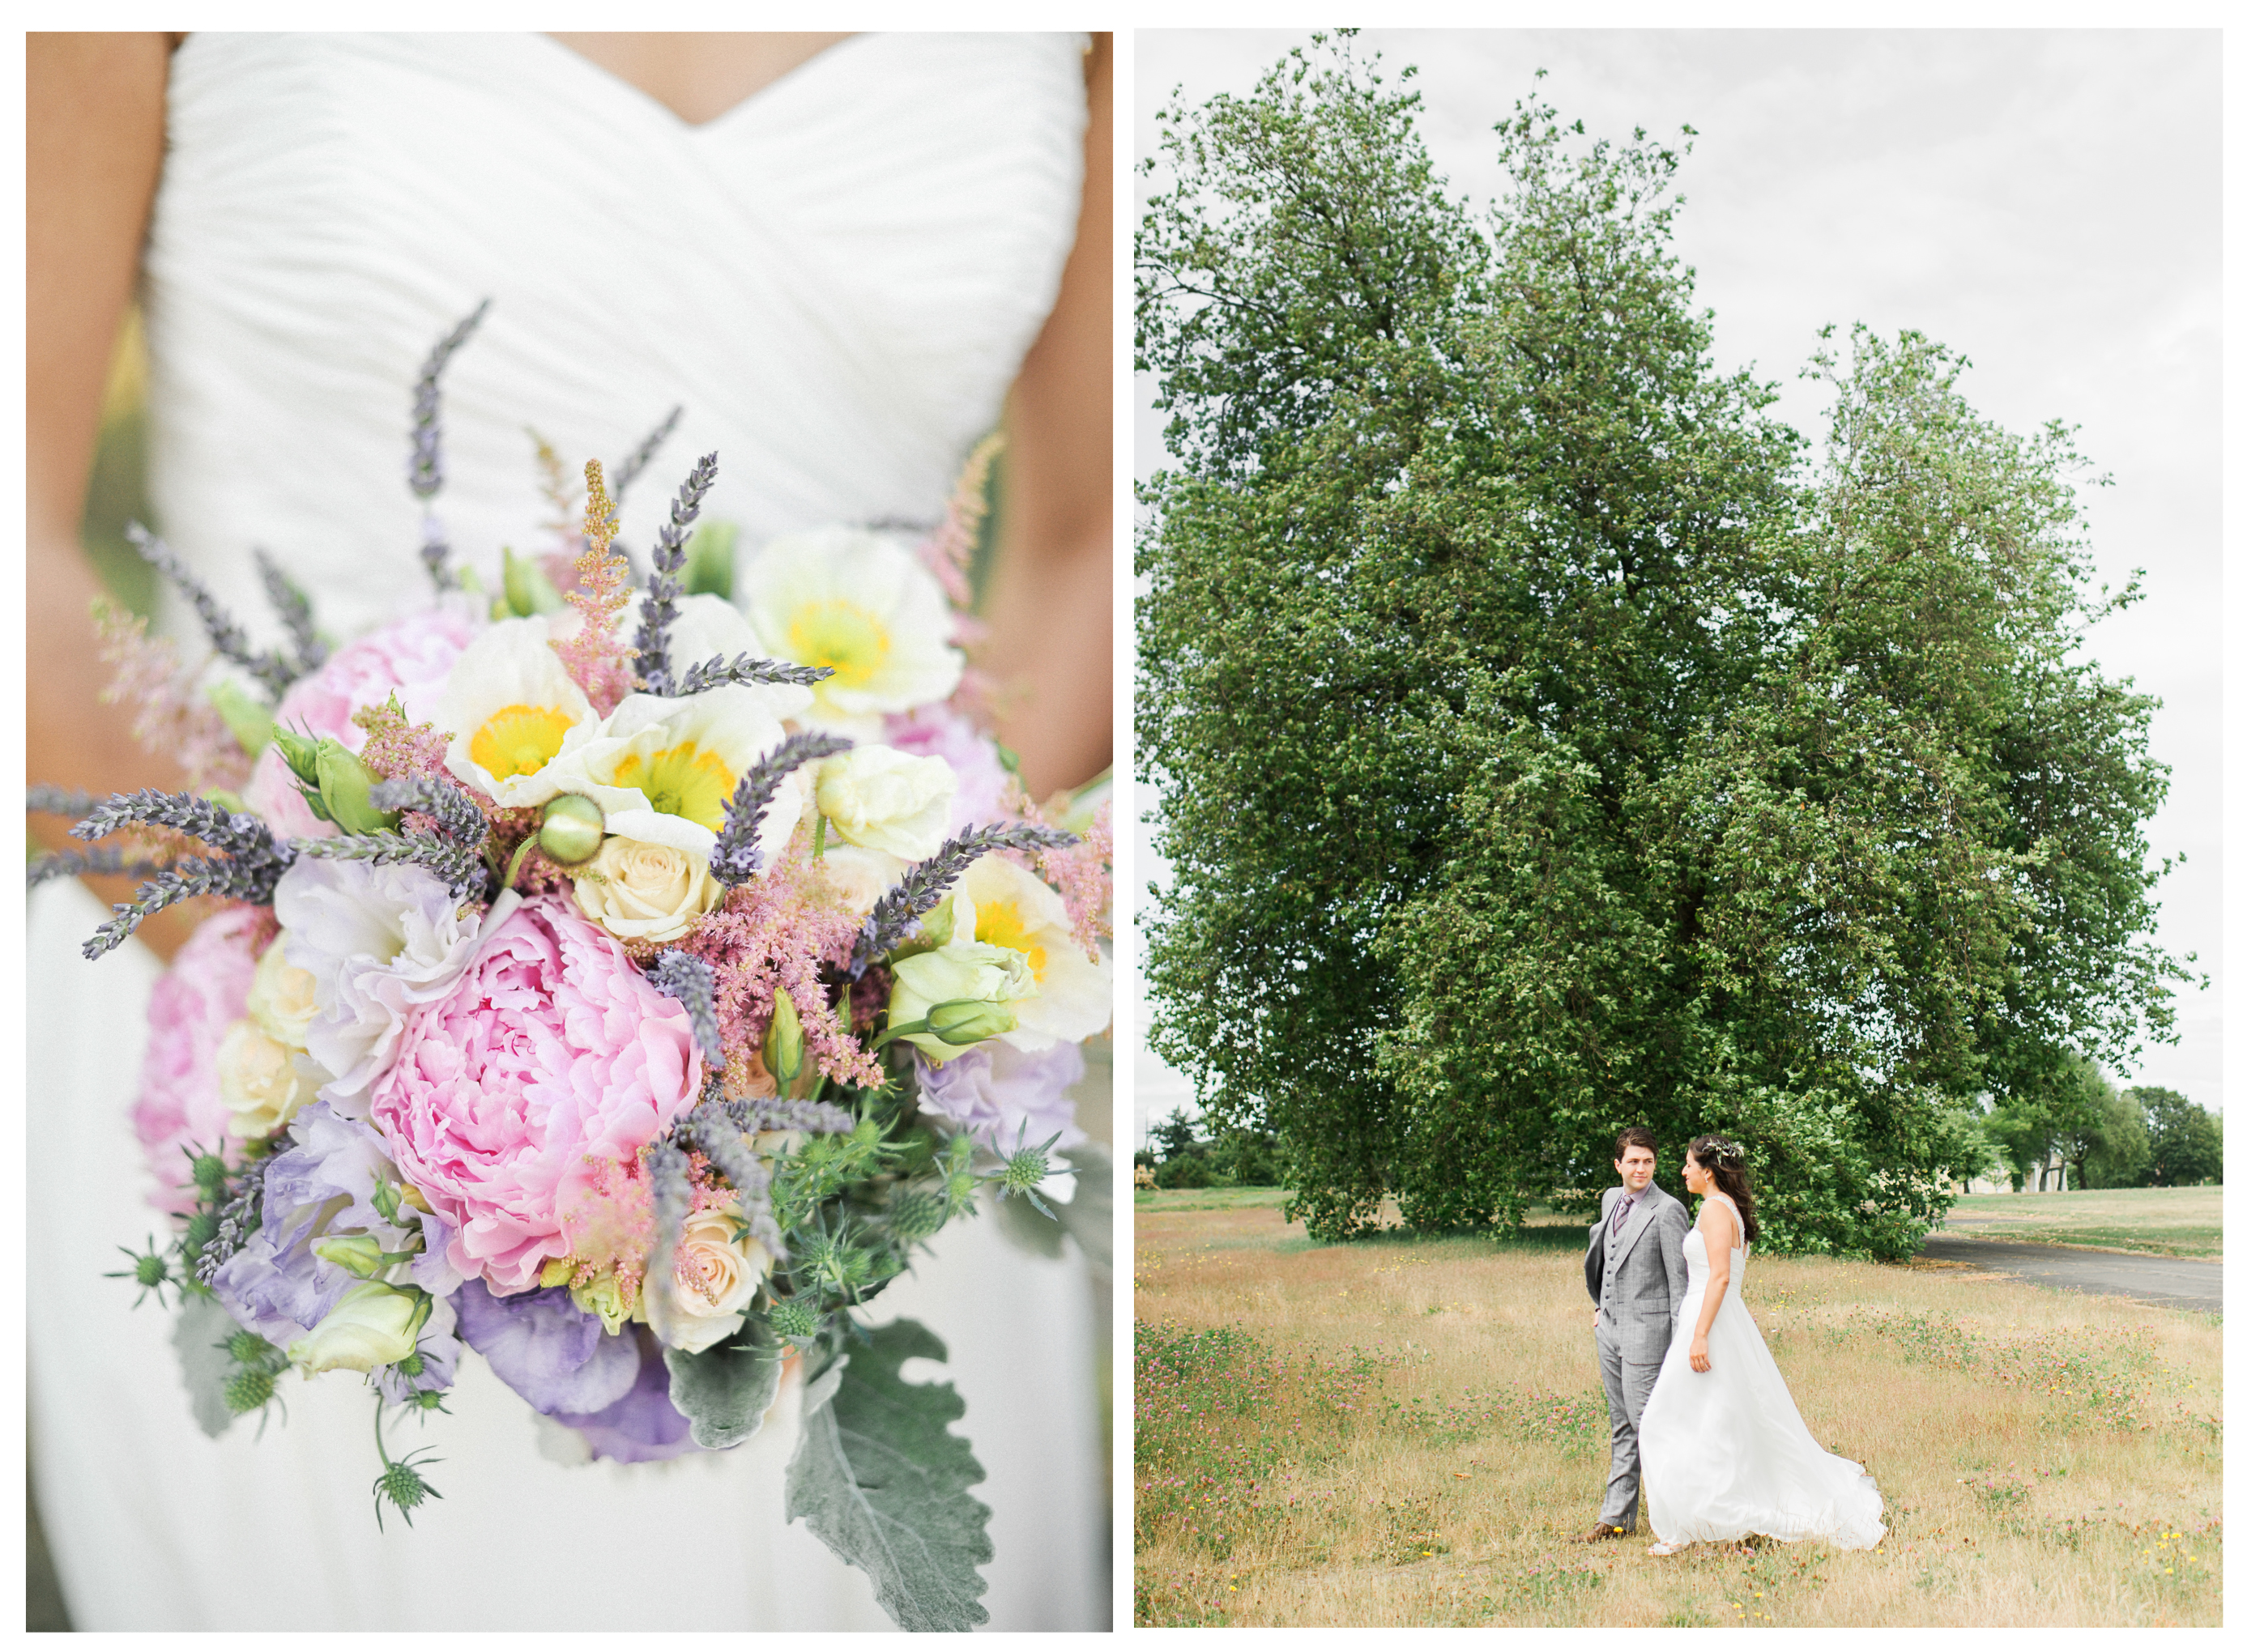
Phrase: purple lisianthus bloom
(993, 1090)
(277, 1284)
(642, 1425)
(550, 1351)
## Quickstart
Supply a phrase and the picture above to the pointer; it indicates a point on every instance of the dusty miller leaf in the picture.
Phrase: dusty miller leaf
(725, 1390)
(879, 1477)
(205, 1366)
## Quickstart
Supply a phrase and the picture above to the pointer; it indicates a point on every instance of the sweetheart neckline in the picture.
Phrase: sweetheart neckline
(634, 94)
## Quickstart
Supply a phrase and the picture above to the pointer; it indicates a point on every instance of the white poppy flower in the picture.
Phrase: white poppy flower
(664, 770)
(513, 711)
(999, 904)
(861, 604)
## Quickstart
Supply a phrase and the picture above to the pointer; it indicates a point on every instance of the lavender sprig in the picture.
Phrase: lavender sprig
(182, 881)
(425, 473)
(229, 639)
(924, 885)
(669, 1167)
(724, 1143)
(244, 838)
(746, 668)
(633, 466)
(457, 868)
(758, 1112)
(94, 861)
(295, 611)
(663, 587)
(737, 856)
(239, 1219)
(56, 799)
(458, 818)
(689, 981)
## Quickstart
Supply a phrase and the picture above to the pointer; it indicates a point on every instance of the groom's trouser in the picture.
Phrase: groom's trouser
(1627, 1385)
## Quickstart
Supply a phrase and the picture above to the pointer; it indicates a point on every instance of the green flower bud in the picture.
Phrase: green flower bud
(601, 1297)
(345, 786)
(204, 1228)
(247, 719)
(372, 1325)
(782, 1046)
(526, 588)
(209, 1172)
(967, 1021)
(572, 829)
(914, 1216)
(298, 751)
(411, 1366)
(358, 1254)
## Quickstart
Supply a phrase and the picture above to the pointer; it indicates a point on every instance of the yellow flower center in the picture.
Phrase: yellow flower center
(1000, 924)
(683, 780)
(520, 739)
(849, 639)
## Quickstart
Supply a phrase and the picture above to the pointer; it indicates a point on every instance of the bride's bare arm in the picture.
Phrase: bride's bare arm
(1050, 603)
(95, 121)
(1717, 1227)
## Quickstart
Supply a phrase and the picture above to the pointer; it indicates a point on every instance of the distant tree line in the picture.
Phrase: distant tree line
(1181, 1157)
(2143, 1137)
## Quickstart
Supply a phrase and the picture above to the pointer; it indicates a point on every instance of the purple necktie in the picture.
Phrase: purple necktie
(1616, 1222)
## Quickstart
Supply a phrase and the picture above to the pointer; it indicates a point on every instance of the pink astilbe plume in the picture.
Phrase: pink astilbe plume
(396, 748)
(777, 932)
(170, 716)
(948, 553)
(566, 541)
(610, 1225)
(1082, 873)
(594, 655)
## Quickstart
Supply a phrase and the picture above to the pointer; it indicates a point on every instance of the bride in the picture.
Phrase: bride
(1724, 1453)
(838, 254)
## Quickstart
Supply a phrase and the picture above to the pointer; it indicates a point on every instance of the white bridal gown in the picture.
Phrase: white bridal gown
(838, 279)
(1723, 1453)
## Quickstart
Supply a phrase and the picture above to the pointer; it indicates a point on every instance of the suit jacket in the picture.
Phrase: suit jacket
(1641, 1274)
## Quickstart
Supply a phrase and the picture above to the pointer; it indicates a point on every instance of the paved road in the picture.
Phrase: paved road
(2169, 1281)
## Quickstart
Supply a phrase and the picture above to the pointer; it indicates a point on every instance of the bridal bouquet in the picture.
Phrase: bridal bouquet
(615, 980)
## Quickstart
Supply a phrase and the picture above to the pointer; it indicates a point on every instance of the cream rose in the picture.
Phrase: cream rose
(705, 1297)
(645, 892)
(877, 797)
(260, 1081)
(282, 1002)
(859, 877)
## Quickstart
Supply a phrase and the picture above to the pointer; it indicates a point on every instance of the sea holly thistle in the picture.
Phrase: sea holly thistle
(402, 1484)
(151, 1271)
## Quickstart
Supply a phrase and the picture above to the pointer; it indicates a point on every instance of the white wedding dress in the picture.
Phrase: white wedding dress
(838, 279)
(1723, 1453)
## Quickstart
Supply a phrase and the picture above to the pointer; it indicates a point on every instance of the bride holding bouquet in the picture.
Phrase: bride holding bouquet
(844, 259)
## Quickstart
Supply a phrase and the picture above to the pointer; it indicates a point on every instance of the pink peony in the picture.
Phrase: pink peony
(196, 1001)
(552, 1055)
(410, 658)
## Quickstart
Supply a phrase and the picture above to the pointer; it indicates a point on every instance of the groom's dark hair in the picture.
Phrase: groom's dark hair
(1636, 1136)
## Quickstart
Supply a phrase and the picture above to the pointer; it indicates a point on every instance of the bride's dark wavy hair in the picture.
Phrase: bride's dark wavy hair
(1725, 1160)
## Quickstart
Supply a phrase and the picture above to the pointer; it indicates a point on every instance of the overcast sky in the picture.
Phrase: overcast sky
(2046, 203)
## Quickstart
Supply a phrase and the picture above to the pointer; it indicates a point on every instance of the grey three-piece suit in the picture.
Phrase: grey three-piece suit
(1637, 1278)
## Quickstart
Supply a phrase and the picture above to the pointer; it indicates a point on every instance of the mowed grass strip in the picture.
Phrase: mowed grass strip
(1407, 1432)
(2161, 1222)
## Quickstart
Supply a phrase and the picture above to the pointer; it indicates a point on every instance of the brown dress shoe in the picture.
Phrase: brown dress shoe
(1601, 1533)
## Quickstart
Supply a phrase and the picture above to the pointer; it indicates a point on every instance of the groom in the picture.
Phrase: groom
(1636, 1274)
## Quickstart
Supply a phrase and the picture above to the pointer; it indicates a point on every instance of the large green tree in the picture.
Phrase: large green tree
(1545, 743)
(2185, 1140)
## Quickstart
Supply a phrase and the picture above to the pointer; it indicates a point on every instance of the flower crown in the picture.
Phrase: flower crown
(1730, 1151)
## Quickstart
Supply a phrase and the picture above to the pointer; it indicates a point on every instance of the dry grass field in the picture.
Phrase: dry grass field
(2162, 1222)
(1407, 1432)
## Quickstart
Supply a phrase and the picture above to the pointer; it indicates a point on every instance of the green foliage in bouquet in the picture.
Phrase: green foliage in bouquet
(1545, 742)
(879, 1477)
